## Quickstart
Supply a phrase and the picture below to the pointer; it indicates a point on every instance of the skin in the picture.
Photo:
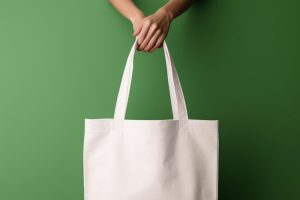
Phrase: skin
(153, 29)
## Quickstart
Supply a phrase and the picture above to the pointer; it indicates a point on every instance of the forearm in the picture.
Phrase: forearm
(174, 8)
(153, 29)
(127, 8)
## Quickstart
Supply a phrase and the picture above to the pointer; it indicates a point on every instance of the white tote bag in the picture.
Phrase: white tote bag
(171, 159)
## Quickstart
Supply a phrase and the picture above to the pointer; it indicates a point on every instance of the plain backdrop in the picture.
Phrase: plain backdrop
(61, 61)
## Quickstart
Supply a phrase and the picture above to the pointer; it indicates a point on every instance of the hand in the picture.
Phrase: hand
(152, 30)
(137, 23)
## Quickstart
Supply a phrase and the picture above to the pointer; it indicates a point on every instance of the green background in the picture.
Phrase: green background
(61, 61)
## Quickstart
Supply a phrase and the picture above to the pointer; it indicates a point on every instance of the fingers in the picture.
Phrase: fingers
(150, 36)
(143, 32)
(158, 43)
(152, 31)
(152, 41)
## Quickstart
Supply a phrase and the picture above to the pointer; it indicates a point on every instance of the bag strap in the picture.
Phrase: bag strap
(177, 99)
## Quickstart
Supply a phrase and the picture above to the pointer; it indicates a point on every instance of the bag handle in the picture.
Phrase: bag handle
(177, 99)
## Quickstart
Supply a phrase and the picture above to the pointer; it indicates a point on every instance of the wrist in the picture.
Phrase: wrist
(137, 16)
(168, 13)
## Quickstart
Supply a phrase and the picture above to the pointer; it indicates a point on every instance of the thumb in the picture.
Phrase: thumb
(137, 31)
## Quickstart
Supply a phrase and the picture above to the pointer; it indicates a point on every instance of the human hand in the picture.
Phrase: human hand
(152, 30)
(137, 23)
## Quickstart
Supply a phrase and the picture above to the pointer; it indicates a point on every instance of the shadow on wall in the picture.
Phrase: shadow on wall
(241, 162)
(200, 28)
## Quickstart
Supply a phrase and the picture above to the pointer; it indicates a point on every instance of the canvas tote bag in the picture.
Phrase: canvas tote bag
(170, 159)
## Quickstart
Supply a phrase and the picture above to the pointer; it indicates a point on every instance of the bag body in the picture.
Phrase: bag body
(170, 159)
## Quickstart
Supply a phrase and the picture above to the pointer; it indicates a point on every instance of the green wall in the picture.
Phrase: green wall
(61, 61)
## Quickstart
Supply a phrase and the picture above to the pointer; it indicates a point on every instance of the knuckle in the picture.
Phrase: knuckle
(142, 46)
(141, 38)
(147, 21)
(155, 25)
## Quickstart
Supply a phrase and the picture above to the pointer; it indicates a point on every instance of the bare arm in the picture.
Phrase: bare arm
(153, 29)
(128, 9)
(176, 7)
